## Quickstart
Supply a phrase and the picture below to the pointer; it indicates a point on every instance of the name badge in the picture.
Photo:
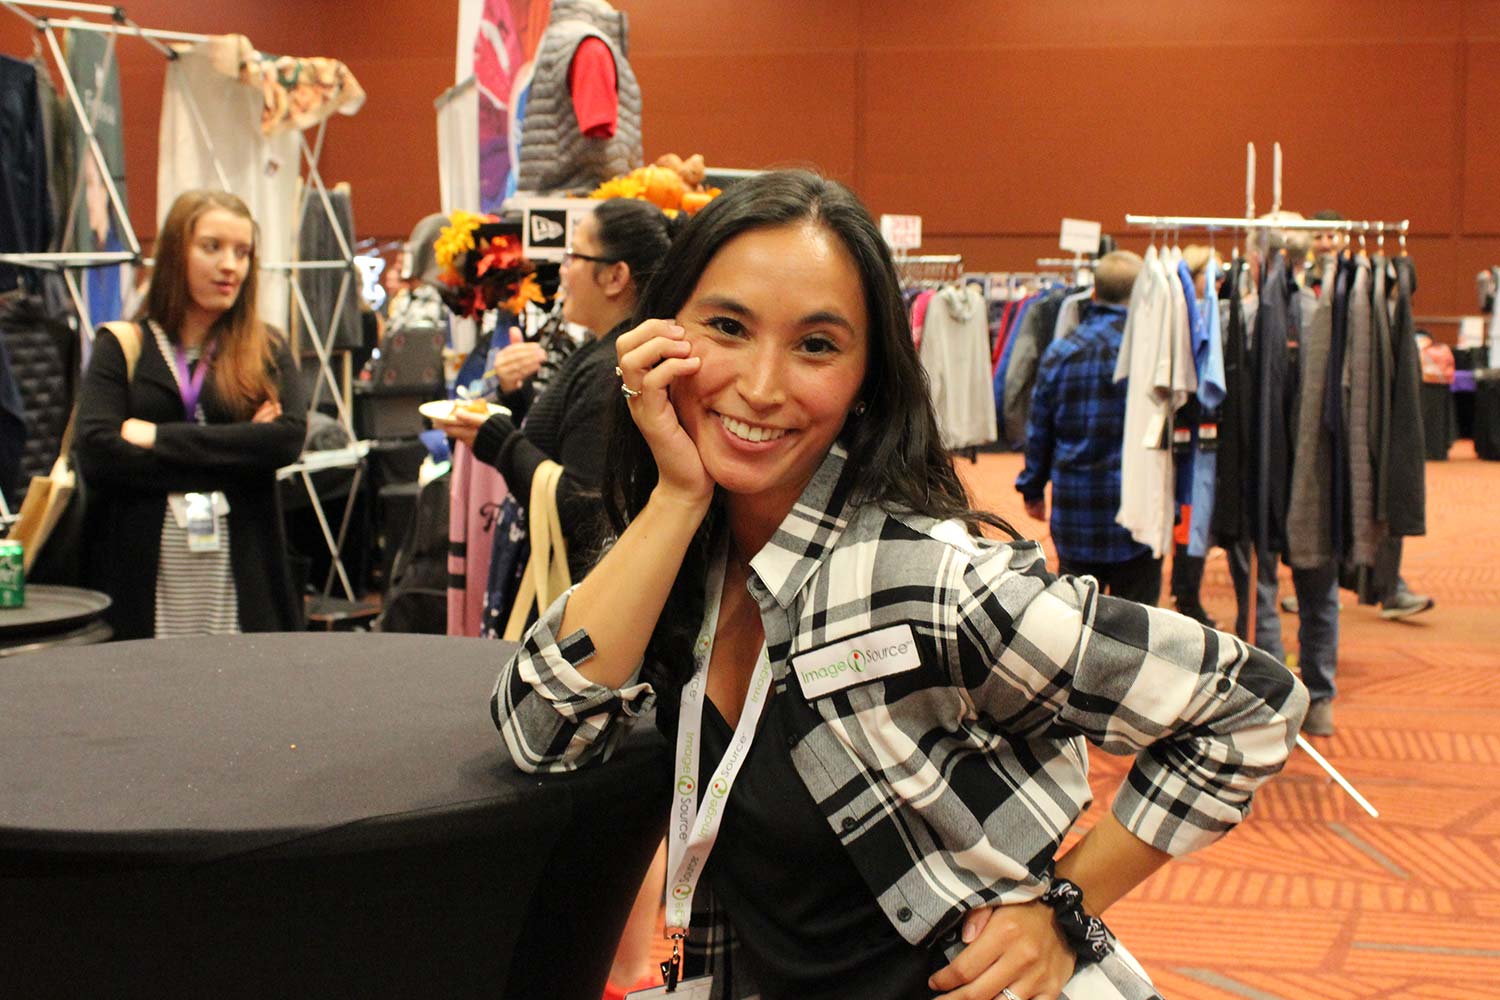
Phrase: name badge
(856, 660)
(700, 988)
(202, 524)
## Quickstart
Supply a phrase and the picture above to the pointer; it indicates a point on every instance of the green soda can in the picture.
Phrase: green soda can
(12, 574)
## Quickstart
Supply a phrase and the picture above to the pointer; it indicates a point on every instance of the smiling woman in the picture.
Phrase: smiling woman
(888, 706)
(183, 419)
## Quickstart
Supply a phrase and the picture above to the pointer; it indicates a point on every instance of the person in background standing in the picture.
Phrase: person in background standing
(180, 446)
(1073, 439)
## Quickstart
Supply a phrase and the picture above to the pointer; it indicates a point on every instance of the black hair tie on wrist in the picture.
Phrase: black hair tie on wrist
(1085, 934)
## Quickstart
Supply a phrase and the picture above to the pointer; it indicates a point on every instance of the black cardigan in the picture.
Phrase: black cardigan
(128, 485)
(567, 424)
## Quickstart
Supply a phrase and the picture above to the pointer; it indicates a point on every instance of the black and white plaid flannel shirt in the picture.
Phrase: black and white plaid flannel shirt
(953, 784)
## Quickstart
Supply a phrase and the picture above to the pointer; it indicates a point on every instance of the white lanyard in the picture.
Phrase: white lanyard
(692, 831)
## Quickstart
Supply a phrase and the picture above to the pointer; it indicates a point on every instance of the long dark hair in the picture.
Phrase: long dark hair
(636, 233)
(894, 445)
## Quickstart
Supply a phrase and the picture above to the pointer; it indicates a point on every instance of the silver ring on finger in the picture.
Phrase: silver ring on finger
(618, 372)
(628, 392)
(1008, 994)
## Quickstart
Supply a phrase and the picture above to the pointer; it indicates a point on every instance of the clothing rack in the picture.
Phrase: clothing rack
(67, 263)
(1212, 224)
(1215, 224)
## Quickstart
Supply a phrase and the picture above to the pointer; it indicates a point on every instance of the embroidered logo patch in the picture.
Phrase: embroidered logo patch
(856, 660)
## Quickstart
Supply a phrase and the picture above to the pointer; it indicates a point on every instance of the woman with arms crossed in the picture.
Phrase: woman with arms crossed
(180, 448)
(887, 710)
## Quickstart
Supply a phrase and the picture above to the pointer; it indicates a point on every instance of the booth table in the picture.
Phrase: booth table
(302, 815)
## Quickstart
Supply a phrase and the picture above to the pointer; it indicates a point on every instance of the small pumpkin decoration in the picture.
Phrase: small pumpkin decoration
(671, 183)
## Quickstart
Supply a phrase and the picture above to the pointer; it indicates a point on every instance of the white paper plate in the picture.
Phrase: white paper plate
(442, 409)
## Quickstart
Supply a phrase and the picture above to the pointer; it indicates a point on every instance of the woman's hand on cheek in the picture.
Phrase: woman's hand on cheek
(1016, 947)
(651, 358)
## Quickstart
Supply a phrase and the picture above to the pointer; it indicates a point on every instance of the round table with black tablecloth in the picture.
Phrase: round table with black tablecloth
(303, 815)
(54, 615)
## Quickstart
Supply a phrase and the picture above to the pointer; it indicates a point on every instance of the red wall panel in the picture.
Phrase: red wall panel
(992, 120)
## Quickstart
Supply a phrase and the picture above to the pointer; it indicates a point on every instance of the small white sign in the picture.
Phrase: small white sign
(547, 223)
(1471, 332)
(856, 660)
(901, 232)
(1080, 236)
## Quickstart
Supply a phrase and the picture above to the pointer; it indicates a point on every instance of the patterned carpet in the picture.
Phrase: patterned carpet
(1312, 899)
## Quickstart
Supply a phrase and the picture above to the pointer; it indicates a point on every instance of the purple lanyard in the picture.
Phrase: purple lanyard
(191, 387)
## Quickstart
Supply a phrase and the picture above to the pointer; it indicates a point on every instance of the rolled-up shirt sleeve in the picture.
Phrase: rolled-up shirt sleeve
(551, 717)
(1207, 717)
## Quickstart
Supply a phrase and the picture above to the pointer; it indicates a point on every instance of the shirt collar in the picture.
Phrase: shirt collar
(808, 533)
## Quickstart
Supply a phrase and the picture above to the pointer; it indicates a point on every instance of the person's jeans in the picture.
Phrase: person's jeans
(1318, 616)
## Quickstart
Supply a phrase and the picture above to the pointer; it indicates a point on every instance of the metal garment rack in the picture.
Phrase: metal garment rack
(68, 262)
(1216, 224)
(929, 269)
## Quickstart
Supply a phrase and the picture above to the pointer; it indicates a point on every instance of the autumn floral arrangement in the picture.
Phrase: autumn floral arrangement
(483, 267)
(671, 184)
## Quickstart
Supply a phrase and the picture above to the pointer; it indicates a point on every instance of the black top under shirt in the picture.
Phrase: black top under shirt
(808, 925)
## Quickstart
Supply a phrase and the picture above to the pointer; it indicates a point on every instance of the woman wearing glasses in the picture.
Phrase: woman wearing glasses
(613, 255)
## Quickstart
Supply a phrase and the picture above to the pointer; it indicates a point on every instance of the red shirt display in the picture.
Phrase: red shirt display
(591, 78)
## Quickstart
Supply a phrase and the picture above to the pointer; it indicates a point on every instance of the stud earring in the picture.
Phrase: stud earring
(859, 408)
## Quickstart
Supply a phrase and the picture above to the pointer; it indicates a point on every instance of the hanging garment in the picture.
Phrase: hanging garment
(57, 141)
(296, 92)
(1276, 319)
(475, 493)
(1156, 356)
(43, 354)
(97, 226)
(919, 307)
(1365, 531)
(1208, 359)
(1382, 384)
(335, 319)
(1231, 519)
(25, 202)
(1070, 313)
(458, 151)
(1406, 500)
(1310, 511)
(211, 138)
(1335, 423)
(955, 351)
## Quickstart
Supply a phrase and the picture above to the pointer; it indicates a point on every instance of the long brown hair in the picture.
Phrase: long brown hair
(243, 357)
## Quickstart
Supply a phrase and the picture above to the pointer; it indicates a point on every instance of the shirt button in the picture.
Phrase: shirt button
(1225, 685)
(849, 823)
(791, 741)
(903, 914)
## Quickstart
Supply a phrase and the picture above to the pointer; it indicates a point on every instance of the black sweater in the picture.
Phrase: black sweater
(128, 485)
(567, 424)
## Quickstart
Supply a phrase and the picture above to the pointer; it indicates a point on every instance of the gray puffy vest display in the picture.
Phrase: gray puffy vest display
(555, 155)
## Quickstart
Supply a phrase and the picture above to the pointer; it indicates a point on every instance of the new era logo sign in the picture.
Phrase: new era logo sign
(546, 230)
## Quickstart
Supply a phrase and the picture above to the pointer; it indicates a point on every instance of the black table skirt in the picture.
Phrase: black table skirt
(302, 815)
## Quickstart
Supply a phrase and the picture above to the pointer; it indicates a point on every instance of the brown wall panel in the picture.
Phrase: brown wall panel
(1481, 149)
(1095, 23)
(990, 119)
(736, 27)
(1033, 137)
(755, 111)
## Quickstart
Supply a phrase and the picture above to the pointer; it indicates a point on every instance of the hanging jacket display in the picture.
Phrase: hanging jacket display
(25, 202)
